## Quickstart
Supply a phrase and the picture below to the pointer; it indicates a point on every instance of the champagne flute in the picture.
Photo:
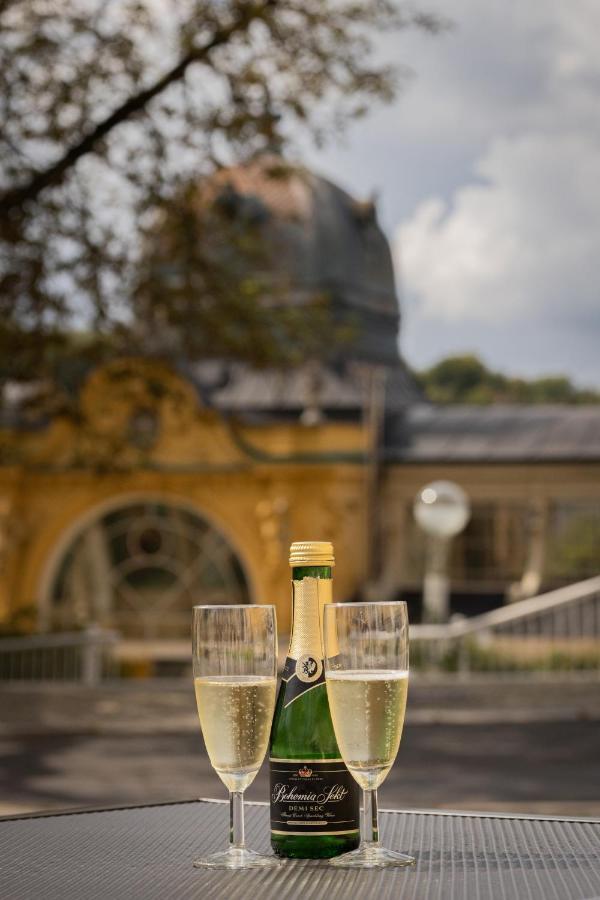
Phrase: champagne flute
(234, 651)
(366, 671)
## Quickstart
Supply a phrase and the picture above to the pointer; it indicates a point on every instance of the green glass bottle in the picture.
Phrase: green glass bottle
(314, 799)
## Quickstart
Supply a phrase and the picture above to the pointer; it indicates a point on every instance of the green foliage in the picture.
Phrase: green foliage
(475, 657)
(465, 379)
(109, 109)
(573, 551)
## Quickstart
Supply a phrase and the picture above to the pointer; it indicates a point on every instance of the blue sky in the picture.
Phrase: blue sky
(487, 169)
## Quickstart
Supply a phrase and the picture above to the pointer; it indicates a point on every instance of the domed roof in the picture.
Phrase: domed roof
(325, 241)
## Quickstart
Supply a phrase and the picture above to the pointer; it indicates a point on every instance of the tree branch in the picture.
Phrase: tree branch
(54, 174)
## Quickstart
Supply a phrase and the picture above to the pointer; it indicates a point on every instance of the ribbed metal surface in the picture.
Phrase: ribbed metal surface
(146, 852)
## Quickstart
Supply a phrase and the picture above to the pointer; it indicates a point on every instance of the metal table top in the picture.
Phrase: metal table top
(147, 852)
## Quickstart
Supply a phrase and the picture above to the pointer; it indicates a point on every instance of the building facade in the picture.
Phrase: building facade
(179, 484)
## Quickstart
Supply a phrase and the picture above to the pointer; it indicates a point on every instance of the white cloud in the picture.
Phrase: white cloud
(503, 69)
(507, 261)
(522, 241)
(488, 169)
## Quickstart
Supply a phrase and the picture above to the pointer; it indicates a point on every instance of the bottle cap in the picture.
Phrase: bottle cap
(311, 553)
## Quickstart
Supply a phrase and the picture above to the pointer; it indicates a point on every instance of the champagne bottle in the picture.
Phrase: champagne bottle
(314, 799)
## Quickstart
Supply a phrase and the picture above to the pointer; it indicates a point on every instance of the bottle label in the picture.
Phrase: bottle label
(312, 797)
(301, 675)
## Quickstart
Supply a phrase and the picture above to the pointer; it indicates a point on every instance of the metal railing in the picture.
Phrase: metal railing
(79, 656)
(557, 632)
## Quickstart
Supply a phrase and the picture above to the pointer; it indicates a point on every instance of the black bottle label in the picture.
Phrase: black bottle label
(312, 797)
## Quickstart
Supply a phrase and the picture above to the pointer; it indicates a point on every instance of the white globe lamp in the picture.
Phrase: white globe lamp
(442, 510)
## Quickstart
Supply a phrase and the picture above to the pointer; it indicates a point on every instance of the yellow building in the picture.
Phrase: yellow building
(177, 486)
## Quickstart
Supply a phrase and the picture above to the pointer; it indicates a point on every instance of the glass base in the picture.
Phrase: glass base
(371, 856)
(236, 858)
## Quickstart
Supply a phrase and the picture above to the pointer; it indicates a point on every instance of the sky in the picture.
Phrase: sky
(487, 172)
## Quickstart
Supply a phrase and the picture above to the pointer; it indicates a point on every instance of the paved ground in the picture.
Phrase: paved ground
(541, 767)
(147, 707)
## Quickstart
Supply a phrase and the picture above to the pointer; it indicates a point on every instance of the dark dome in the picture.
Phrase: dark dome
(325, 241)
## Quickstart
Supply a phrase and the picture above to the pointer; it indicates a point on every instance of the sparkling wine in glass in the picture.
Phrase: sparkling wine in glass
(235, 670)
(366, 671)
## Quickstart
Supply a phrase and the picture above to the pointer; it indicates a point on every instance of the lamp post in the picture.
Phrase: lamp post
(442, 510)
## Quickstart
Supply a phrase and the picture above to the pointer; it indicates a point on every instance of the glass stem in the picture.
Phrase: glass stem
(370, 824)
(236, 820)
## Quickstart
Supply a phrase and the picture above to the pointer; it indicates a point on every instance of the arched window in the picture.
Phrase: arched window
(141, 567)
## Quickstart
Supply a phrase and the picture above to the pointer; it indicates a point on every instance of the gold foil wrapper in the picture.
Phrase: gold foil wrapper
(310, 596)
